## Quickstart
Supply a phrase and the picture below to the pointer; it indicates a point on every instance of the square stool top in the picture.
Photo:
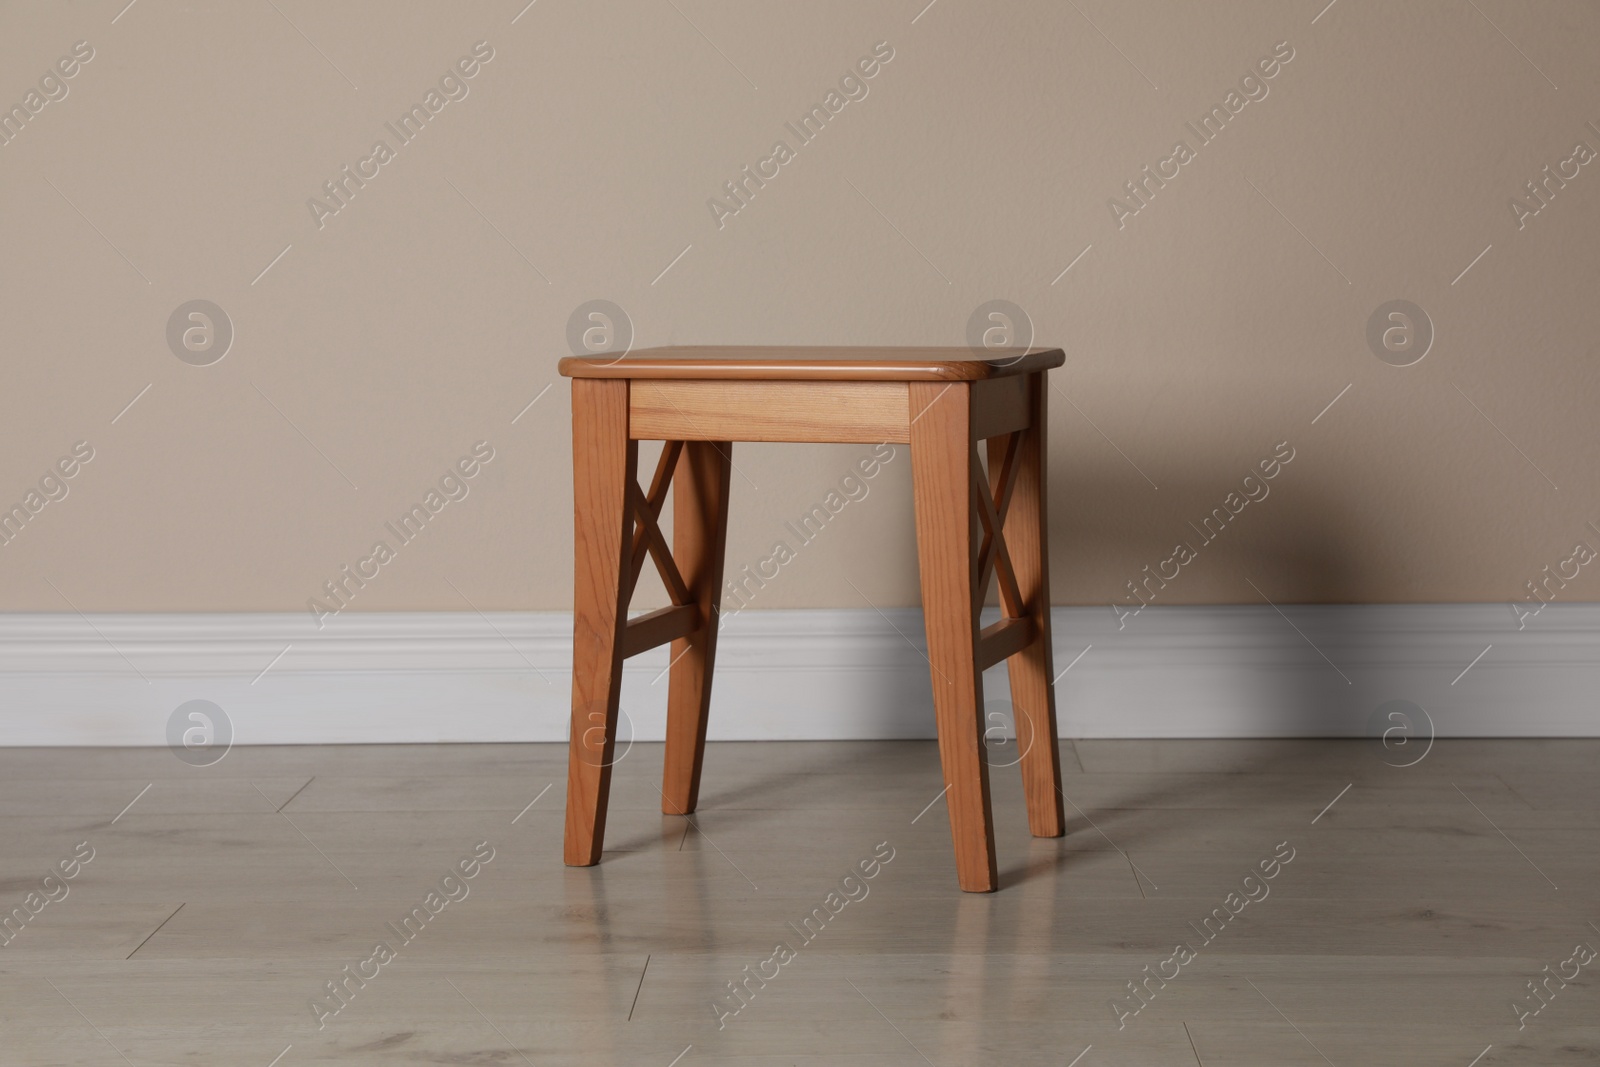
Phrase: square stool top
(816, 363)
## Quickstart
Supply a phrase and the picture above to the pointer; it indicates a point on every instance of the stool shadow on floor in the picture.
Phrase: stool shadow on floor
(1299, 668)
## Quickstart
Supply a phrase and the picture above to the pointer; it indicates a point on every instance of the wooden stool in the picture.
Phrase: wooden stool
(942, 401)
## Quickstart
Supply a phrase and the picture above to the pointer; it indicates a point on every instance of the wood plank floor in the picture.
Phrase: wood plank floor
(222, 905)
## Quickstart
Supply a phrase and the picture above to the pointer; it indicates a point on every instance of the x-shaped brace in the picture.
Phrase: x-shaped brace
(992, 554)
(647, 537)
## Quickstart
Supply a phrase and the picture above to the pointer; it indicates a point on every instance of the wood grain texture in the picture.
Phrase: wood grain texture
(699, 417)
(1032, 669)
(646, 631)
(816, 363)
(646, 509)
(992, 500)
(1003, 640)
(727, 410)
(699, 541)
(1402, 894)
(604, 469)
(943, 469)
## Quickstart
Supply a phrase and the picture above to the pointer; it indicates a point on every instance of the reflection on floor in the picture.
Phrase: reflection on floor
(407, 904)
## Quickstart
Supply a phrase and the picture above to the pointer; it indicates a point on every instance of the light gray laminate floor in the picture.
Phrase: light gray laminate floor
(220, 904)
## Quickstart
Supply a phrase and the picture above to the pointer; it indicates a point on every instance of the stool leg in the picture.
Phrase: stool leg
(699, 537)
(1032, 669)
(943, 473)
(604, 466)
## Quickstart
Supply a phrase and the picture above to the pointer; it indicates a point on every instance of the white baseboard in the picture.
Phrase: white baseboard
(1318, 671)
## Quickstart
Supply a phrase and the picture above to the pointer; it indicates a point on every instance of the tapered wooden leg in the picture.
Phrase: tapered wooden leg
(604, 464)
(1032, 669)
(943, 468)
(699, 538)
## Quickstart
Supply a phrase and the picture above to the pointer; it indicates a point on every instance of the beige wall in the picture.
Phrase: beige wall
(1215, 323)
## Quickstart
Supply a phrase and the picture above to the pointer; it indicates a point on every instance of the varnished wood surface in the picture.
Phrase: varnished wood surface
(660, 626)
(944, 471)
(816, 363)
(1004, 639)
(698, 418)
(605, 470)
(1032, 671)
(1398, 936)
(731, 410)
(699, 542)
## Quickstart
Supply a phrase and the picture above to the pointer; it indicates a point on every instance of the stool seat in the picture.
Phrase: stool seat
(979, 518)
(816, 363)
